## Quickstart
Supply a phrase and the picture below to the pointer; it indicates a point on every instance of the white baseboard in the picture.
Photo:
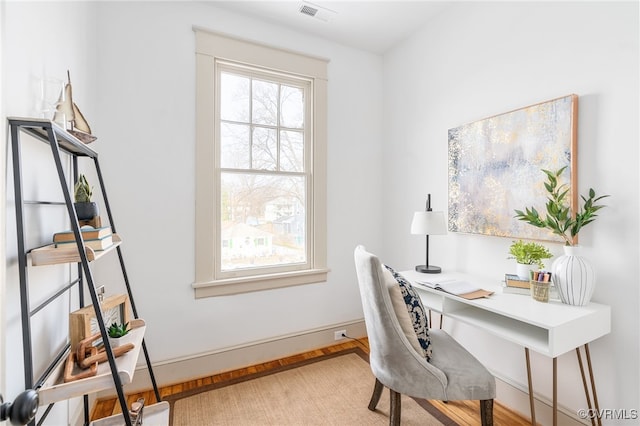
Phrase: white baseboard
(516, 397)
(183, 369)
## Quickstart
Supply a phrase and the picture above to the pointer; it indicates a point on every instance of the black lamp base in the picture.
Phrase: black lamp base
(428, 269)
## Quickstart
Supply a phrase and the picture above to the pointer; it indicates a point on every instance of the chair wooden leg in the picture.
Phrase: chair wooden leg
(377, 393)
(486, 412)
(394, 416)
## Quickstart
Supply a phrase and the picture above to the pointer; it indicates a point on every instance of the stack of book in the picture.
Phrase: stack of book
(95, 238)
(516, 285)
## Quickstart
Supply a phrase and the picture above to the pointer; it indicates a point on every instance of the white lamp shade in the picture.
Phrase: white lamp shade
(428, 223)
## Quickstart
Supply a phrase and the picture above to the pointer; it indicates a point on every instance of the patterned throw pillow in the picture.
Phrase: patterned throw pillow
(416, 312)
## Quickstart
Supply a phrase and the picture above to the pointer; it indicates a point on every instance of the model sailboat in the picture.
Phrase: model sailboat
(68, 112)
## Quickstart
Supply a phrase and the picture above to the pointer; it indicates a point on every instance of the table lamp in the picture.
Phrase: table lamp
(428, 223)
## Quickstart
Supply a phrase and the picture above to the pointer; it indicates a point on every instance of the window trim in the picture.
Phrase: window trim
(210, 47)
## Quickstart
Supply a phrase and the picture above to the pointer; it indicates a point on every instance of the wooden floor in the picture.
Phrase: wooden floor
(463, 412)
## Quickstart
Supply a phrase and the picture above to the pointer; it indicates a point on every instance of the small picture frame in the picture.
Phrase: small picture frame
(83, 322)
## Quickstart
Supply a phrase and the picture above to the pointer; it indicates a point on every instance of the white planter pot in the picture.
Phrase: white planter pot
(116, 341)
(524, 271)
(119, 341)
(573, 277)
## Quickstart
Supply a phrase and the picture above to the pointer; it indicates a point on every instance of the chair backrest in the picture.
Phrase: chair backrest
(392, 357)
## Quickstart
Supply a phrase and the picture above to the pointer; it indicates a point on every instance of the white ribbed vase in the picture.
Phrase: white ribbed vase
(573, 277)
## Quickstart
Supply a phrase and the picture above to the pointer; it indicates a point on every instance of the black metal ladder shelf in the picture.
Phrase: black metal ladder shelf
(119, 371)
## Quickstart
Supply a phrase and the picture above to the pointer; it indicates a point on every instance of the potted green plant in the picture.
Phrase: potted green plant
(559, 219)
(116, 332)
(572, 274)
(85, 208)
(526, 255)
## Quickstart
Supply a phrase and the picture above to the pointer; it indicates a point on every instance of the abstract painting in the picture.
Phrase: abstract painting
(495, 167)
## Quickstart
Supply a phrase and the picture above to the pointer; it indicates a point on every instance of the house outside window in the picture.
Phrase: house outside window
(261, 167)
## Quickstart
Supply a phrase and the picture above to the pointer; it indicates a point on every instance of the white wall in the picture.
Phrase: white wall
(3, 220)
(481, 59)
(136, 87)
(132, 67)
(146, 144)
(133, 72)
(40, 41)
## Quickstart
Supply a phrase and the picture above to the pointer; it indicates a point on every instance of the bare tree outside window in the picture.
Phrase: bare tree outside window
(263, 180)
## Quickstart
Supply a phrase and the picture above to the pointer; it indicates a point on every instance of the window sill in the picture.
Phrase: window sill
(264, 282)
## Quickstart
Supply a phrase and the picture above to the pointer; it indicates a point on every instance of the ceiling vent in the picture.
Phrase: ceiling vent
(308, 10)
(317, 12)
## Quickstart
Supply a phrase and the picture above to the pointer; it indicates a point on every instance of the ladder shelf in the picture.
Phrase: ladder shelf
(117, 371)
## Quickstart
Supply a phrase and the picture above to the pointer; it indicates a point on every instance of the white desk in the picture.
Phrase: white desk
(551, 329)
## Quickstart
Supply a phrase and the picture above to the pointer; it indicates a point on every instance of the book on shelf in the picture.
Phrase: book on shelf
(456, 287)
(95, 244)
(88, 233)
(512, 280)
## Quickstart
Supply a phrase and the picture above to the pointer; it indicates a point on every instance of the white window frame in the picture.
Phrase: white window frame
(212, 49)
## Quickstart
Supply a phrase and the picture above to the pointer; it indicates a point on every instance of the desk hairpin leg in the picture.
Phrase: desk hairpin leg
(531, 401)
(431, 322)
(555, 389)
(591, 406)
(593, 384)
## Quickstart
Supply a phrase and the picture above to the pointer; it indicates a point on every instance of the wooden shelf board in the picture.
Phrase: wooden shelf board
(50, 255)
(154, 414)
(54, 389)
(38, 129)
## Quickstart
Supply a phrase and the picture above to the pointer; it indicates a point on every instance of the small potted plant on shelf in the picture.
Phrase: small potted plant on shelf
(527, 255)
(85, 208)
(116, 332)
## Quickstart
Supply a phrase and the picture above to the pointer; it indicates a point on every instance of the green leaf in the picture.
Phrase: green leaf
(559, 217)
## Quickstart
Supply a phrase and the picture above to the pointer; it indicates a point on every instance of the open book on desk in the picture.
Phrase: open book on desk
(459, 288)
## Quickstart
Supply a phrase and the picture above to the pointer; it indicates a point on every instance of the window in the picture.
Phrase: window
(260, 167)
(263, 170)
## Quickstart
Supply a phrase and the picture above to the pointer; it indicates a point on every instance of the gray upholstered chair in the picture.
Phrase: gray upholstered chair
(397, 363)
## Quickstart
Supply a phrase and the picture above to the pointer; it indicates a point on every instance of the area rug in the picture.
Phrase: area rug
(330, 390)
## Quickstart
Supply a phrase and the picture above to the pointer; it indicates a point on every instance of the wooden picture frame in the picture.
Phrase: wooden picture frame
(495, 167)
(83, 322)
